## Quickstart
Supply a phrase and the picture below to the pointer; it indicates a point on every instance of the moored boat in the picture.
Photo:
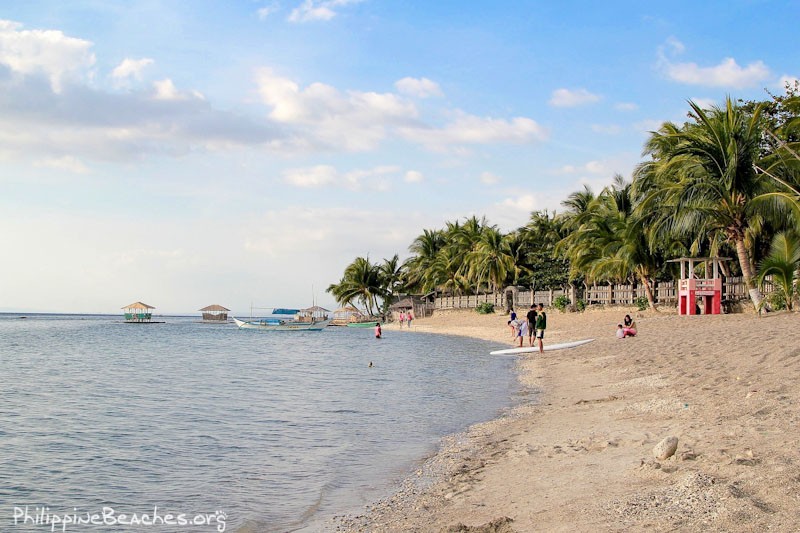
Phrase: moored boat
(311, 319)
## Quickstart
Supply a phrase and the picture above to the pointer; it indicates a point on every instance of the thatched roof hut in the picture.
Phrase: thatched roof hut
(215, 313)
(138, 312)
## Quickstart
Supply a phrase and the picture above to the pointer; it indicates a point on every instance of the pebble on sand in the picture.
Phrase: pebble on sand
(666, 448)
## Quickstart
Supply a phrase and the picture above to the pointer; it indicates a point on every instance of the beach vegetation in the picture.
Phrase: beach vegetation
(782, 264)
(485, 308)
(561, 302)
(724, 182)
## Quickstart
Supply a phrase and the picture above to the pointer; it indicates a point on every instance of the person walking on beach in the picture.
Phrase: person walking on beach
(531, 324)
(541, 325)
(378, 331)
(409, 318)
(402, 318)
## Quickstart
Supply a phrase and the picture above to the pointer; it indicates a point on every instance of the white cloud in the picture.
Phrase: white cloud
(166, 90)
(131, 68)
(47, 52)
(727, 73)
(418, 87)
(413, 176)
(572, 98)
(470, 129)
(622, 163)
(318, 10)
(487, 178)
(526, 202)
(376, 178)
(264, 12)
(67, 162)
(353, 121)
(626, 106)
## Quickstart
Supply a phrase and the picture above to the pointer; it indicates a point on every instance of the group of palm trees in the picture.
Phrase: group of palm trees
(727, 181)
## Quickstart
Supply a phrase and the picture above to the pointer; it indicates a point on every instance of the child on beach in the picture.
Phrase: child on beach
(620, 332)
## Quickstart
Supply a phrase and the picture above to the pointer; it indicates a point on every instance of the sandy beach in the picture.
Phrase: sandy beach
(578, 456)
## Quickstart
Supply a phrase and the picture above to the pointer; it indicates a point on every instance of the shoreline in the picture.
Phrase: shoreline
(580, 459)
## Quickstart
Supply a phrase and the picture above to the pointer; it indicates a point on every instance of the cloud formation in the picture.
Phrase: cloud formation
(46, 52)
(728, 73)
(572, 98)
(377, 178)
(131, 68)
(311, 10)
(418, 87)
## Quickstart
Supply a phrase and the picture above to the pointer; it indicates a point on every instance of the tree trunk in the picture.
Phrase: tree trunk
(747, 272)
(648, 290)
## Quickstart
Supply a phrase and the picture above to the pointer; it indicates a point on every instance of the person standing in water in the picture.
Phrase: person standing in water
(378, 330)
(541, 325)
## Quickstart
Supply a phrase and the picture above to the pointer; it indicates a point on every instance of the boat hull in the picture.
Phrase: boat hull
(535, 349)
(363, 324)
(288, 325)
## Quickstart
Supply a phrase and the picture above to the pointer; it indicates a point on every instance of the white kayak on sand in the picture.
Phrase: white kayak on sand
(547, 348)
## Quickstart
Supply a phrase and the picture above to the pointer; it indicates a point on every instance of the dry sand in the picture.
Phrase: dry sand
(580, 457)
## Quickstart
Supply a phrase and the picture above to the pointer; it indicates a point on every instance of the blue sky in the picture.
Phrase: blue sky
(184, 153)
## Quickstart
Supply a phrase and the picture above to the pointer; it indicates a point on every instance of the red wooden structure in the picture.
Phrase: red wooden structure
(707, 289)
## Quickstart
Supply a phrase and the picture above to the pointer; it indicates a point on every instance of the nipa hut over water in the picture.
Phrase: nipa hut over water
(345, 315)
(138, 312)
(215, 313)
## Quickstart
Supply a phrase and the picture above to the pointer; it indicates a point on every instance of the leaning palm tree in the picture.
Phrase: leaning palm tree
(702, 183)
(782, 264)
(361, 281)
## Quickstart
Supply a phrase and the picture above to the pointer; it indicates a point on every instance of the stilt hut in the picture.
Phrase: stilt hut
(138, 312)
(215, 313)
(345, 315)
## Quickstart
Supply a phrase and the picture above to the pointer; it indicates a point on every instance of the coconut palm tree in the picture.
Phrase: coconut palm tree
(702, 182)
(490, 262)
(782, 264)
(361, 281)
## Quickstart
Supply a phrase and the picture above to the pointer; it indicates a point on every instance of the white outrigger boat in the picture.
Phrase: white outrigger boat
(311, 319)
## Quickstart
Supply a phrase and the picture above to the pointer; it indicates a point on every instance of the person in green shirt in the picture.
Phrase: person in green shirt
(541, 325)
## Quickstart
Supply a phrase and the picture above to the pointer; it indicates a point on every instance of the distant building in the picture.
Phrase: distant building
(215, 313)
(138, 312)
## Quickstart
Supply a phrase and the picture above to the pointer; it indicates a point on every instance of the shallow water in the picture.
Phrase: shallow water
(277, 430)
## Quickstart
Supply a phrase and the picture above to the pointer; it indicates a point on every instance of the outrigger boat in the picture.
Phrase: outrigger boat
(311, 319)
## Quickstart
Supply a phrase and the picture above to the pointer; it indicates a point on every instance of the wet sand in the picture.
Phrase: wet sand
(580, 457)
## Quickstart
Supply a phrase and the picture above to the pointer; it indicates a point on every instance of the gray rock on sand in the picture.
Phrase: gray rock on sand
(666, 448)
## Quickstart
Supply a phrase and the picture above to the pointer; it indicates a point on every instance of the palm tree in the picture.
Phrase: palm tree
(391, 277)
(491, 261)
(702, 182)
(361, 281)
(782, 264)
(424, 250)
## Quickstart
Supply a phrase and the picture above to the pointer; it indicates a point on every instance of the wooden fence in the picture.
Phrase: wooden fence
(665, 292)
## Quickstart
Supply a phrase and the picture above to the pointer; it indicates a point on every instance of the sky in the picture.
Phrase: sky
(185, 153)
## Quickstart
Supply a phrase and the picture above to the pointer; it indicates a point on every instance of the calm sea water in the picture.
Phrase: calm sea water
(278, 431)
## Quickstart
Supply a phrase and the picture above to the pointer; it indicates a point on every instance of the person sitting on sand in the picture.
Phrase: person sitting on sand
(378, 331)
(620, 331)
(630, 326)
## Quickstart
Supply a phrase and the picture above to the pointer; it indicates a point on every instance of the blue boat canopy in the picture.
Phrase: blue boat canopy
(285, 311)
